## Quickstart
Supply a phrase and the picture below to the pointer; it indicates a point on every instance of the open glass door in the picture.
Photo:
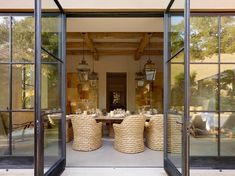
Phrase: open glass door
(176, 91)
(50, 88)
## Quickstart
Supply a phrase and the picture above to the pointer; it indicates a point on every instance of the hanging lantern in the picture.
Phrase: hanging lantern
(139, 77)
(150, 70)
(93, 77)
(83, 70)
(83, 67)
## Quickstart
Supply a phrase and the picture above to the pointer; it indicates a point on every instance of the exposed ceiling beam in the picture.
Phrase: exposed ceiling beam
(115, 52)
(91, 46)
(78, 45)
(142, 45)
(116, 35)
(111, 35)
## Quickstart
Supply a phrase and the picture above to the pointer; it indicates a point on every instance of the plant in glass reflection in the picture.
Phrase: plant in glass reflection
(204, 36)
(4, 33)
(227, 83)
(23, 38)
(177, 91)
(50, 34)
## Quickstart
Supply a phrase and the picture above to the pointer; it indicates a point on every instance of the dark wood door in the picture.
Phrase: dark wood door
(116, 91)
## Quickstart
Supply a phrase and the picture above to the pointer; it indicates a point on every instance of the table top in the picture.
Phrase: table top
(101, 117)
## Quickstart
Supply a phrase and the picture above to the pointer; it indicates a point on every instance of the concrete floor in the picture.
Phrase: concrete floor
(107, 156)
(119, 172)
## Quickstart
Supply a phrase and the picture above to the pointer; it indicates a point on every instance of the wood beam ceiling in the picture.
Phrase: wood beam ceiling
(91, 46)
(115, 43)
(143, 43)
(115, 52)
(97, 45)
(106, 35)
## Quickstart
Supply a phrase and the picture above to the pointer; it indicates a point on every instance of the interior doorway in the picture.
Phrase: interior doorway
(116, 91)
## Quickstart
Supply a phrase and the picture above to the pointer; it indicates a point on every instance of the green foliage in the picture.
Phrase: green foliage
(204, 36)
(177, 91)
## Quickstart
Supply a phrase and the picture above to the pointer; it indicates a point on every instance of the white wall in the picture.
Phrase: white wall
(115, 25)
(117, 5)
(114, 64)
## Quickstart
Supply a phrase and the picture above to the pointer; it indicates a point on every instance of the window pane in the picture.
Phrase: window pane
(52, 138)
(4, 127)
(175, 112)
(227, 39)
(23, 133)
(4, 86)
(4, 39)
(51, 34)
(176, 88)
(23, 39)
(227, 87)
(50, 85)
(204, 87)
(204, 134)
(23, 86)
(227, 122)
(177, 34)
(204, 39)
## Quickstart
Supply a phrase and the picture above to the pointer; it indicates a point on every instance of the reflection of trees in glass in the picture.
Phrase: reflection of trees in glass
(23, 50)
(177, 35)
(23, 38)
(4, 31)
(205, 90)
(204, 36)
(27, 87)
(177, 91)
(50, 35)
(227, 83)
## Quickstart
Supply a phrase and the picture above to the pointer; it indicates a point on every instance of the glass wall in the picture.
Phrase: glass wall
(212, 103)
(17, 86)
(175, 90)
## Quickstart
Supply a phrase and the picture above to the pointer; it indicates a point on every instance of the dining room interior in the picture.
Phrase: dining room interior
(114, 86)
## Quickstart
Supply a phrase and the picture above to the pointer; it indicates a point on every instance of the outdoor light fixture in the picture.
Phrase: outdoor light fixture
(83, 67)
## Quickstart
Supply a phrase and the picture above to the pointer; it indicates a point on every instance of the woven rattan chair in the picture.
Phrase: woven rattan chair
(154, 133)
(129, 135)
(87, 133)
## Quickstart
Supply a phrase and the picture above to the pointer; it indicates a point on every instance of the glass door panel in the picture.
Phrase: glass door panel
(51, 85)
(50, 96)
(175, 87)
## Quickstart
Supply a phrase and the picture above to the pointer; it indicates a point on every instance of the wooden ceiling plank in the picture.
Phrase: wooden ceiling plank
(91, 46)
(115, 52)
(78, 45)
(142, 45)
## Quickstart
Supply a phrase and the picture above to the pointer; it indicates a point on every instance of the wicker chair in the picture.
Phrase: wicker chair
(87, 133)
(154, 133)
(129, 135)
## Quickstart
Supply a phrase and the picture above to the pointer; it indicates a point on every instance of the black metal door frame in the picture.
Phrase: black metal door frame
(59, 166)
(170, 168)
